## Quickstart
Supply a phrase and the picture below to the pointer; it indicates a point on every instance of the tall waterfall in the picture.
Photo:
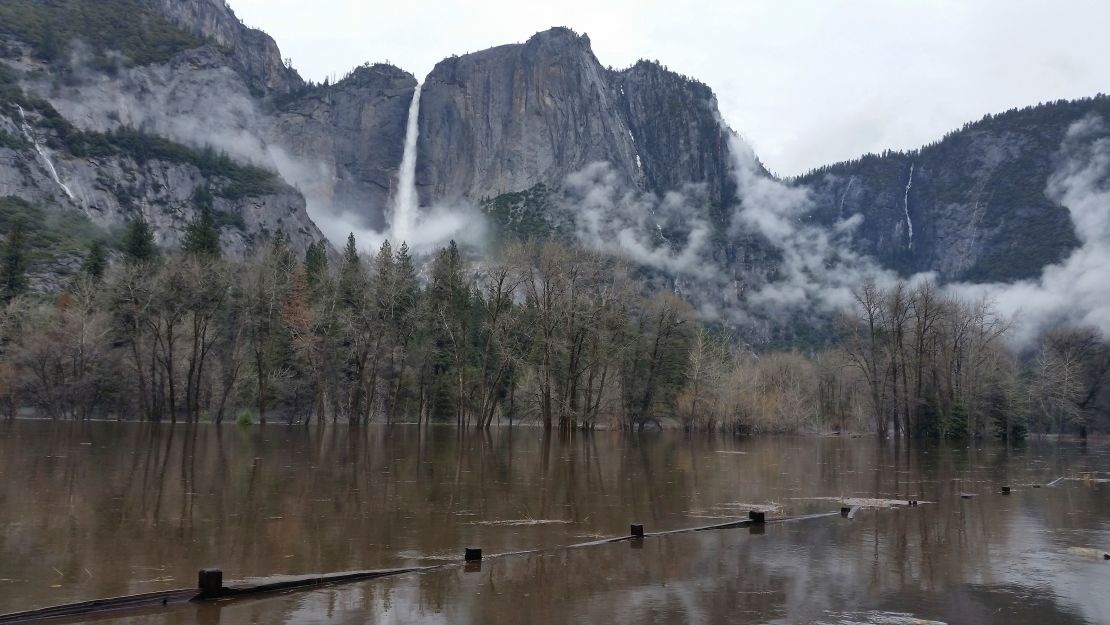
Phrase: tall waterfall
(906, 204)
(43, 154)
(406, 203)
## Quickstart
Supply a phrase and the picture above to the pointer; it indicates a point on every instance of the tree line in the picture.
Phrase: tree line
(544, 333)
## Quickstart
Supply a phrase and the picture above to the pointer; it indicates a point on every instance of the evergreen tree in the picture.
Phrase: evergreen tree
(406, 282)
(13, 270)
(350, 253)
(386, 291)
(351, 276)
(202, 197)
(138, 243)
(315, 262)
(202, 238)
(96, 262)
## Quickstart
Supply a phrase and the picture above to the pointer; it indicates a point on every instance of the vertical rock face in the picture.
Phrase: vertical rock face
(510, 117)
(254, 52)
(351, 135)
(677, 129)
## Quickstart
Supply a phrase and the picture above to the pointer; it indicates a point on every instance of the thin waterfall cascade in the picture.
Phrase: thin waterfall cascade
(406, 204)
(847, 190)
(43, 154)
(906, 207)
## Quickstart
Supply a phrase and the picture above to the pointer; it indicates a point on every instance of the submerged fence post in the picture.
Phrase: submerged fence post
(636, 531)
(472, 554)
(757, 518)
(210, 582)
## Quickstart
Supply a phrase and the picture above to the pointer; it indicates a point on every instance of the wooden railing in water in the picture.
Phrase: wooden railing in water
(211, 587)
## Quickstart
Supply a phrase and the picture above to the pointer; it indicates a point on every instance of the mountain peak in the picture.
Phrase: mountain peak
(559, 35)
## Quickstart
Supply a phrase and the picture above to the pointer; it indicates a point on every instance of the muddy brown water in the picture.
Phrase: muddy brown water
(107, 509)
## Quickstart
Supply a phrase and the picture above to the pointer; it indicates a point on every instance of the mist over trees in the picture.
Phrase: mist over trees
(545, 333)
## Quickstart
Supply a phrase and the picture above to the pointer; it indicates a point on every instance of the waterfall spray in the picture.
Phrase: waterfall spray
(406, 203)
(43, 154)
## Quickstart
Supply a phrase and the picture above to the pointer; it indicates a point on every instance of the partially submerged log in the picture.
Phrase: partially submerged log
(210, 587)
(161, 598)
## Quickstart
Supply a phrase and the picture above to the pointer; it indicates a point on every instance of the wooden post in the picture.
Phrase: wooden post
(210, 582)
(472, 554)
(636, 531)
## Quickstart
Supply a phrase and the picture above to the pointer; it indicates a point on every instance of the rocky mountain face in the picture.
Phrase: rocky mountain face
(517, 129)
(506, 119)
(346, 141)
(252, 52)
(87, 131)
(976, 200)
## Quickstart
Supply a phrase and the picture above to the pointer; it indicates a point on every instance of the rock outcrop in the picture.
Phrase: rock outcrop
(252, 52)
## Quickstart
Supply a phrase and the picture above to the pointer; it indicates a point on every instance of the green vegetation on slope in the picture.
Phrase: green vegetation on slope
(49, 234)
(105, 26)
(521, 215)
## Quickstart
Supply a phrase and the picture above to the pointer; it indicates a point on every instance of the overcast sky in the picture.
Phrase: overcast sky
(806, 82)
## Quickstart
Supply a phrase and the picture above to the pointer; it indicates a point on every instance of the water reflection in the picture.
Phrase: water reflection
(89, 510)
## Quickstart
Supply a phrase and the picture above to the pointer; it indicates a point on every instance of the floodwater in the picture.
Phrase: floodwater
(106, 509)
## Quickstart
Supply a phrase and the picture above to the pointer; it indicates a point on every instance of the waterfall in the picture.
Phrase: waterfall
(43, 154)
(407, 202)
(847, 190)
(906, 204)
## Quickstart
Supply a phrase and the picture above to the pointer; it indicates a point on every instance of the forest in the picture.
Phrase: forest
(543, 334)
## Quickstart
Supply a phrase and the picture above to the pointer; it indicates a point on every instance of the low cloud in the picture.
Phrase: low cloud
(668, 233)
(1076, 290)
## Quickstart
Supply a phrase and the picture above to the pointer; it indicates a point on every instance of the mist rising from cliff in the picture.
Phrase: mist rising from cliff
(1074, 291)
(611, 216)
(818, 268)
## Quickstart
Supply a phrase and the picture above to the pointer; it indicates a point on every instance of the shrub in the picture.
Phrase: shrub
(244, 419)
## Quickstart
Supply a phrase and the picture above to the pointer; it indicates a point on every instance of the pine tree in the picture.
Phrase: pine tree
(202, 197)
(407, 286)
(138, 243)
(202, 238)
(350, 253)
(13, 263)
(96, 262)
(315, 262)
(351, 276)
(383, 265)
